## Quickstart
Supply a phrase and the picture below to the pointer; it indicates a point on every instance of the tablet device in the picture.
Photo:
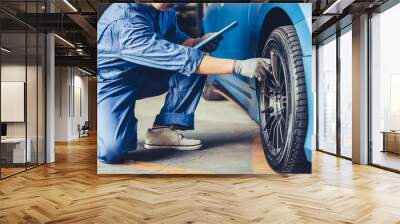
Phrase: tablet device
(216, 35)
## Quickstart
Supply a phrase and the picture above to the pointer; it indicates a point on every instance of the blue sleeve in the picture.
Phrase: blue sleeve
(139, 44)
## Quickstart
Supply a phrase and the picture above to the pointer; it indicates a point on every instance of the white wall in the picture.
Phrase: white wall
(80, 110)
(17, 73)
(61, 103)
(71, 93)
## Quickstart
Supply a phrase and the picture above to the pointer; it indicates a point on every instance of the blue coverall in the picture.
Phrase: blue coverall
(140, 55)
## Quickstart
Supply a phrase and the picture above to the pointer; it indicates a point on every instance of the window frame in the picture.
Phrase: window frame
(334, 37)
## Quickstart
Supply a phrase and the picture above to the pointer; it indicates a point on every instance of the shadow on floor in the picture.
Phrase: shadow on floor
(212, 142)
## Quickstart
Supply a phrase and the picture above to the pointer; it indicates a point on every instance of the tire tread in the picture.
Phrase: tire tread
(297, 161)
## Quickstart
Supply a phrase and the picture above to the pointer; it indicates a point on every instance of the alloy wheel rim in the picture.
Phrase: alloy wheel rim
(274, 104)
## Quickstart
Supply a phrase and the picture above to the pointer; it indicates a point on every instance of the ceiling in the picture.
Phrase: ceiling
(331, 15)
(72, 20)
(75, 21)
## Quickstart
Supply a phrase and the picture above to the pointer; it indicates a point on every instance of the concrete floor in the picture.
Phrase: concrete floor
(230, 140)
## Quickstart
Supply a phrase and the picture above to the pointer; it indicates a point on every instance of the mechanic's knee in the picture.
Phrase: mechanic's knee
(112, 152)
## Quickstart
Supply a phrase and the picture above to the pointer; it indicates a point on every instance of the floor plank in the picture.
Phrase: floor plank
(70, 191)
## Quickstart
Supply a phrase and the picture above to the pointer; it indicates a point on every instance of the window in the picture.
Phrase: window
(346, 92)
(327, 96)
(385, 89)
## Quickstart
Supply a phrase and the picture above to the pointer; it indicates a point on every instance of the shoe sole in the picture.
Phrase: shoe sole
(183, 148)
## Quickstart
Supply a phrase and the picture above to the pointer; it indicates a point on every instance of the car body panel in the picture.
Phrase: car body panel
(243, 42)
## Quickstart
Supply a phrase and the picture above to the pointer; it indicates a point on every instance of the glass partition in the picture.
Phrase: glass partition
(346, 93)
(14, 144)
(385, 89)
(327, 96)
(22, 88)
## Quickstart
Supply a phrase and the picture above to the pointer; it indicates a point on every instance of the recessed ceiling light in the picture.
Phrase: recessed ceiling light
(5, 50)
(65, 41)
(337, 7)
(84, 71)
(71, 6)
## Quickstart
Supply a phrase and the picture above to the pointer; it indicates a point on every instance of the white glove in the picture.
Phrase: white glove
(253, 68)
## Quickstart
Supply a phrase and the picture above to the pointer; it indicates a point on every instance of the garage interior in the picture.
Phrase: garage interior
(51, 173)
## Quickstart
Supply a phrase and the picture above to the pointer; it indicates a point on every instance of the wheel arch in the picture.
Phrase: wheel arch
(274, 18)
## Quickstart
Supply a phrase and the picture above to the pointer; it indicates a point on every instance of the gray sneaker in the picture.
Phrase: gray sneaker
(167, 138)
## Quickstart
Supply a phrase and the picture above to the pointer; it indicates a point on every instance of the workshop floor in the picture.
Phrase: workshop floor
(231, 143)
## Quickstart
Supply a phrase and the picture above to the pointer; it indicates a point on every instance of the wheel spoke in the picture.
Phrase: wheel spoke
(266, 134)
(275, 64)
(273, 127)
(280, 130)
(276, 137)
(273, 138)
(269, 119)
(275, 131)
(284, 121)
(280, 74)
(278, 126)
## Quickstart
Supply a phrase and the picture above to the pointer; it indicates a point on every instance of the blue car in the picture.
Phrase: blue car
(282, 104)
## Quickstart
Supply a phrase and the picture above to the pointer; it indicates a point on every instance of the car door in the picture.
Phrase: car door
(237, 44)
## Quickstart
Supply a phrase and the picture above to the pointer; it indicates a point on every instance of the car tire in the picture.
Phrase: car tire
(283, 103)
(210, 94)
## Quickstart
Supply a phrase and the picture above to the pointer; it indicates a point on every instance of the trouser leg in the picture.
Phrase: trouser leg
(182, 98)
(116, 119)
(117, 124)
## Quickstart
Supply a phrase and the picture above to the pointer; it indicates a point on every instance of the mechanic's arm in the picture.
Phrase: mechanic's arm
(212, 65)
(142, 46)
(139, 44)
(254, 67)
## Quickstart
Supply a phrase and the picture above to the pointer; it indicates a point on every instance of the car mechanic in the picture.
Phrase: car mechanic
(143, 53)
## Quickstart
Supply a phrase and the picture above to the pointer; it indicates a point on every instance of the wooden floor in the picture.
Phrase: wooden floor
(70, 191)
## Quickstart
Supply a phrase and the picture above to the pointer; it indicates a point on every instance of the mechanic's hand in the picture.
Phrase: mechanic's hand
(253, 68)
(210, 47)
